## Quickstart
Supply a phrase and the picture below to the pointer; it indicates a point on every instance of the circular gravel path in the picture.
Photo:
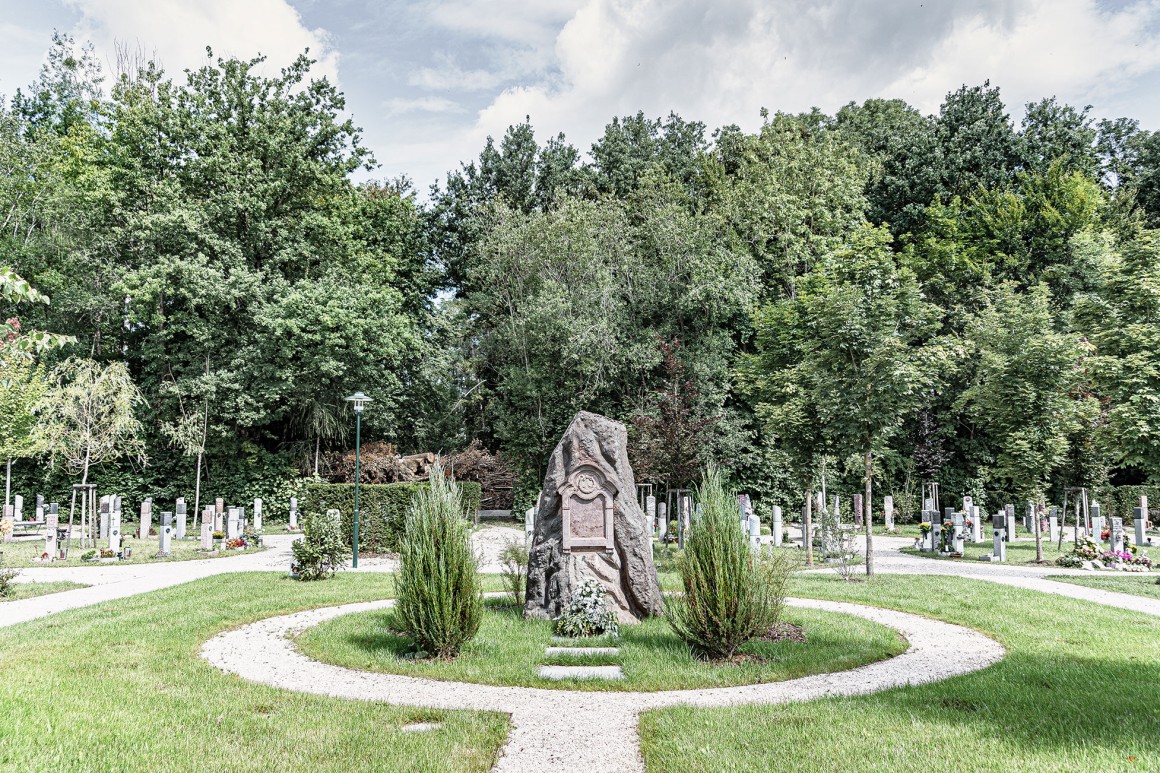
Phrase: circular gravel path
(588, 731)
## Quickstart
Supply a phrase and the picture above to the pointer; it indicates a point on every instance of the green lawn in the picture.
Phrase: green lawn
(1021, 552)
(27, 590)
(1077, 691)
(120, 686)
(510, 650)
(1136, 584)
(21, 554)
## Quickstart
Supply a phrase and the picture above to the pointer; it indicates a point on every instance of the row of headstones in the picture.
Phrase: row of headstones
(215, 518)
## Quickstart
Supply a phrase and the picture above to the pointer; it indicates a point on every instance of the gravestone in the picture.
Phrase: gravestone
(662, 521)
(589, 526)
(744, 509)
(888, 512)
(257, 514)
(180, 520)
(165, 535)
(777, 527)
(293, 513)
(207, 519)
(967, 502)
(1097, 523)
(51, 524)
(754, 532)
(1140, 517)
(857, 509)
(936, 521)
(650, 512)
(104, 528)
(219, 515)
(837, 512)
(999, 550)
(114, 530)
(233, 523)
(1117, 535)
(38, 514)
(8, 520)
(18, 508)
(146, 523)
(1053, 525)
(1009, 531)
(959, 532)
(976, 524)
(529, 524)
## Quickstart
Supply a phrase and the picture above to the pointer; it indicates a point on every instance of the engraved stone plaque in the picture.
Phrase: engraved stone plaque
(587, 510)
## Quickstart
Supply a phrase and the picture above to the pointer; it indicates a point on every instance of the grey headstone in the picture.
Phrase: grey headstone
(180, 521)
(165, 535)
(1117, 535)
(777, 527)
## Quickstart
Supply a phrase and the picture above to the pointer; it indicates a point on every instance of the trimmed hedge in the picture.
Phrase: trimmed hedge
(1126, 498)
(382, 509)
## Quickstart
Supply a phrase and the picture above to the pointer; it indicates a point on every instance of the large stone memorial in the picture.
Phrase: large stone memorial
(590, 526)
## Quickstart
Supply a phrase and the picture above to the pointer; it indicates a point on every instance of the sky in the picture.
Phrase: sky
(430, 81)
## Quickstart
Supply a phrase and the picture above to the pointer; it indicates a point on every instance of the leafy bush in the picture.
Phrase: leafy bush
(514, 558)
(321, 550)
(7, 578)
(382, 509)
(731, 593)
(588, 613)
(440, 602)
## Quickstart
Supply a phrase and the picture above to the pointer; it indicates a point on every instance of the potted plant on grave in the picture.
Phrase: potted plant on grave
(217, 539)
(924, 530)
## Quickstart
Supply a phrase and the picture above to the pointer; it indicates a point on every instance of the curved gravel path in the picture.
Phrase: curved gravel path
(589, 731)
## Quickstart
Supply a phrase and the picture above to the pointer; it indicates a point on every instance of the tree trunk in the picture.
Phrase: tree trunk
(867, 511)
(8, 484)
(317, 449)
(197, 482)
(90, 537)
(807, 527)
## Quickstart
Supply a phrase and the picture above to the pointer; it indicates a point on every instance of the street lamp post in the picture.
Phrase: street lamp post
(357, 401)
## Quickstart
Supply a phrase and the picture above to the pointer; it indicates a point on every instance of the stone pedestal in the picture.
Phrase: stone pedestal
(777, 527)
(257, 515)
(888, 513)
(179, 522)
(165, 535)
(976, 524)
(146, 523)
(589, 526)
(51, 524)
(207, 519)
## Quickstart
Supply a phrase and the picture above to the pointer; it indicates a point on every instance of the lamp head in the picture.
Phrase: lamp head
(358, 401)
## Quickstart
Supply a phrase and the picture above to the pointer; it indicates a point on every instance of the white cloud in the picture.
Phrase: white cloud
(399, 106)
(720, 62)
(179, 30)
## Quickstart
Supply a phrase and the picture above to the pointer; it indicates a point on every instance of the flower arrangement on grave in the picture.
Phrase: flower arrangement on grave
(948, 535)
(237, 543)
(925, 528)
(589, 613)
(88, 555)
(5, 527)
(1106, 535)
(1087, 551)
(108, 553)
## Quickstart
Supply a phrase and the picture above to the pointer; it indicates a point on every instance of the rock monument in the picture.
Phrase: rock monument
(589, 525)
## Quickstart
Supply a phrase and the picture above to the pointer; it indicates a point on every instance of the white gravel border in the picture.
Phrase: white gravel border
(587, 731)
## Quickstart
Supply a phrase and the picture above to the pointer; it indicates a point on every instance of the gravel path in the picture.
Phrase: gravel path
(589, 731)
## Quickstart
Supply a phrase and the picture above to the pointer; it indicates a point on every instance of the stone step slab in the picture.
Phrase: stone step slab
(582, 652)
(558, 673)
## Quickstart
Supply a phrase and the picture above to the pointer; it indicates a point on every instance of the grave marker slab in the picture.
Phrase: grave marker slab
(18, 507)
(165, 535)
(1117, 535)
(180, 520)
(293, 513)
(754, 532)
(219, 515)
(1053, 525)
(888, 512)
(51, 524)
(146, 524)
(257, 514)
(105, 507)
(976, 524)
(777, 527)
(1140, 517)
(650, 512)
(857, 509)
(207, 518)
(115, 531)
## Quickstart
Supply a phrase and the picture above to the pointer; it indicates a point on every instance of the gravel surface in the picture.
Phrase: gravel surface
(558, 729)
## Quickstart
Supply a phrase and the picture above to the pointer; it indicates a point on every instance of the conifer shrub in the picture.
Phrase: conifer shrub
(321, 550)
(514, 563)
(731, 593)
(440, 603)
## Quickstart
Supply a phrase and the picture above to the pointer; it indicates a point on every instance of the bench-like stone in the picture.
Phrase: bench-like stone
(557, 673)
